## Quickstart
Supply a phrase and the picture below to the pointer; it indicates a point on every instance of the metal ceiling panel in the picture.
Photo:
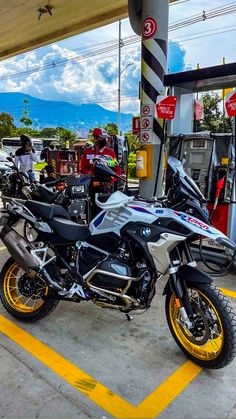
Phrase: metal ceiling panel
(22, 28)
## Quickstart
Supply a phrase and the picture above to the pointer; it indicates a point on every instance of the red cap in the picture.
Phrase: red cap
(100, 132)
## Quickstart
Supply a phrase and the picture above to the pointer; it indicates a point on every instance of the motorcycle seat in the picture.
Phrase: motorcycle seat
(46, 194)
(69, 230)
(46, 211)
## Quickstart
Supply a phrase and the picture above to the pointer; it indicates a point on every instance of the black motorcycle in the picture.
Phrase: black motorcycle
(13, 183)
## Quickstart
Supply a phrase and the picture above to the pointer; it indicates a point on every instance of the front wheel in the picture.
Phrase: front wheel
(28, 299)
(211, 343)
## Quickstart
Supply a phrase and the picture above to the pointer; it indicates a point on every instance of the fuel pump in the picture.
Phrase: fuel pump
(210, 160)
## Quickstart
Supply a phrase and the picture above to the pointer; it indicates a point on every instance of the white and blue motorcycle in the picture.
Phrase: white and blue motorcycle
(115, 263)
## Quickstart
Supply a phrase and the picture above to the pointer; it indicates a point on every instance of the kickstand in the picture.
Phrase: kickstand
(129, 318)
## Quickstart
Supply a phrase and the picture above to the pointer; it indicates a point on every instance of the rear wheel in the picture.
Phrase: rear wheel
(212, 341)
(28, 299)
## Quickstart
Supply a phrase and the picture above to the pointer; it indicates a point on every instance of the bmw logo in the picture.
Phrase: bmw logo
(146, 231)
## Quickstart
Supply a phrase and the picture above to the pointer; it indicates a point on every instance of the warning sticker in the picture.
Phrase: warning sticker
(147, 110)
(146, 137)
(147, 122)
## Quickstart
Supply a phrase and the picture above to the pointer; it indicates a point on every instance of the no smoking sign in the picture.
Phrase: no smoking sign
(147, 110)
(145, 137)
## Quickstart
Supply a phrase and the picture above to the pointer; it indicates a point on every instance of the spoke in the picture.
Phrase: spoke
(30, 298)
(11, 288)
(17, 299)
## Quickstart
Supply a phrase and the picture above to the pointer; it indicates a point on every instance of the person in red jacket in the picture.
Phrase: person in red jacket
(99, 151)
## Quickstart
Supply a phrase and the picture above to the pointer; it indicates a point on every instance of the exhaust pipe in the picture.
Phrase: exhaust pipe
(20, 248)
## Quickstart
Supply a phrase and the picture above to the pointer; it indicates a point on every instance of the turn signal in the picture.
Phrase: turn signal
(177, 303)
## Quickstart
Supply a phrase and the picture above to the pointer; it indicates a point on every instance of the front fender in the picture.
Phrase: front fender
(190, 275)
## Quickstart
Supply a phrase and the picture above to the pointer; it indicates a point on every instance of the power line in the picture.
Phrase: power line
(202, 35)
(105, 47)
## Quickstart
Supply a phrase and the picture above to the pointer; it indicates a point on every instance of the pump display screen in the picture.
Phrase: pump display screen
(199, 143)
(196, 158)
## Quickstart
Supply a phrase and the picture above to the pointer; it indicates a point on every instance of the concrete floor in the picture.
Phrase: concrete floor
(132, 359)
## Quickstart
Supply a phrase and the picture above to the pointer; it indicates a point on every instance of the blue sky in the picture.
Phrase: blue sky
(73, 77)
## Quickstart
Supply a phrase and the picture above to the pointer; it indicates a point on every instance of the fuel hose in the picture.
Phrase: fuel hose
(216, 272)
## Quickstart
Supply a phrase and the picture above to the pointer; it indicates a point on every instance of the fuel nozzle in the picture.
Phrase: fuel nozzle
(219, 186)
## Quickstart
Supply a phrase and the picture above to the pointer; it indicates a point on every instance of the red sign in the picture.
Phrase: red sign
(136, 125)
(166, 107)
(198, 109)
(230, 105)
(149, 27)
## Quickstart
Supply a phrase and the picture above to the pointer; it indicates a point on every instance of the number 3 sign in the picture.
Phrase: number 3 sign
(149, 27)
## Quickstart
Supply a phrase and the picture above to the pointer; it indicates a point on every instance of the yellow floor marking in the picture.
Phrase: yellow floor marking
(229, 293)
(2, 248)
(149, 408)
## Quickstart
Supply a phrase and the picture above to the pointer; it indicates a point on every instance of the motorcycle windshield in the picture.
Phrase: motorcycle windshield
(185, 179)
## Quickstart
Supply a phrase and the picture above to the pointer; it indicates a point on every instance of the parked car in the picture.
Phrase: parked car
(5, 167)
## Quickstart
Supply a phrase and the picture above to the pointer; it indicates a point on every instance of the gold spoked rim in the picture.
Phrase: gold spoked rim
(209, 346)
(14, 297)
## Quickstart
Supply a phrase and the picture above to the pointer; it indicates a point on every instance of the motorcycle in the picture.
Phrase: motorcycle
(13, 183)
(77, 197)
(116, 263)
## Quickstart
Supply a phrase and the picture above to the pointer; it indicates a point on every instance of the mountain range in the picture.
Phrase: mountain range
(48, 113)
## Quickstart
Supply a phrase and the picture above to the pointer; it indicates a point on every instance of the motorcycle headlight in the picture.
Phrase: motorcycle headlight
(78, 189)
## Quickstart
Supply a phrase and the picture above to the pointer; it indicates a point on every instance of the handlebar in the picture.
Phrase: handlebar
(55, 182)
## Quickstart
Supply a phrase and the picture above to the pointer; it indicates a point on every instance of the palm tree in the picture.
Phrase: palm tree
(64, 134)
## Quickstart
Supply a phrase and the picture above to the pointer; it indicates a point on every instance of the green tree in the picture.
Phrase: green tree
(214, 120)
(31, 132)
(6, 124)
(25, 119)
(64, 134)
(48, 132)
(111, 128)
(134, 142)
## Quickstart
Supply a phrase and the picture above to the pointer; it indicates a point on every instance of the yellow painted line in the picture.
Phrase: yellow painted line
(229, 293)
(2, 248)
(152, 406)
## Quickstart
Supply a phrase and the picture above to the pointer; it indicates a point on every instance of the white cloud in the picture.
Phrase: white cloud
(96, 79)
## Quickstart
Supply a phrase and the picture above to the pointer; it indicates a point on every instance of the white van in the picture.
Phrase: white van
(10, 145)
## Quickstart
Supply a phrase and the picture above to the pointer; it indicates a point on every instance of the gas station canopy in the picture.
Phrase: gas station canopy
(204, 79)
(29, 24)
